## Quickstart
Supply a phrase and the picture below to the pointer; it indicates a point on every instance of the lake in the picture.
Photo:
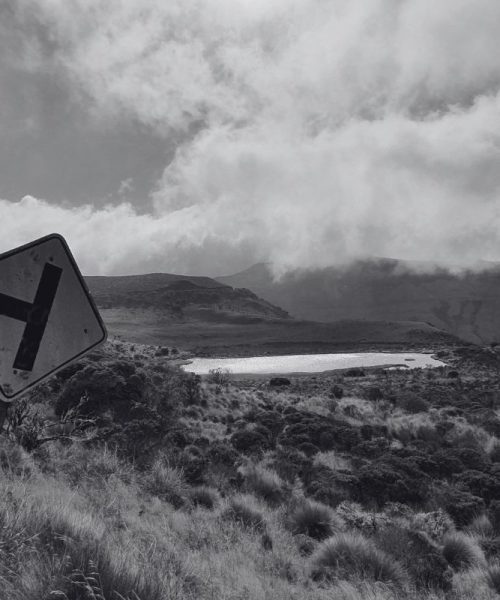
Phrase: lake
(311, 363)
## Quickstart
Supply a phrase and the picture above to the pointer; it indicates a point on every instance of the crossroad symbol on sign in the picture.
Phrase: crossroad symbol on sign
(47, 317)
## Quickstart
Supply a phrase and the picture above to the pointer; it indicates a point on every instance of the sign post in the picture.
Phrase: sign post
(47, 316)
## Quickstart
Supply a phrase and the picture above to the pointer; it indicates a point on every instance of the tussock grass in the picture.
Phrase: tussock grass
(167, 483)
(481, 526)
(314, 519)
(244, 510)
(264, 483)
(461, 551)
(204, 496)
(493, 577)
(350, 556)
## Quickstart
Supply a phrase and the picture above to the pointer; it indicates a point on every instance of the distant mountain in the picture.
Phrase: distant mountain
(208, 316)
(181, 297)
(467, 306)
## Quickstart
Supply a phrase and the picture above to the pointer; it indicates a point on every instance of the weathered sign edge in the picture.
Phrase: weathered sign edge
(5, 397)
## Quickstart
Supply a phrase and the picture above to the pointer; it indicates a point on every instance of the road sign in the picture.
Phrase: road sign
(47, 316)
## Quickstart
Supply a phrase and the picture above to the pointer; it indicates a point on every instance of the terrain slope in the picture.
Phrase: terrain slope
(208, 317)
(466, 305)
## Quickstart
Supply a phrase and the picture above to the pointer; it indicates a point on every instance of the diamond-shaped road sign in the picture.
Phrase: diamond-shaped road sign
(47, 317)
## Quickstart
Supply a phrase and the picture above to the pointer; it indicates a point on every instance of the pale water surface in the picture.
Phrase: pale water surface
(311, 363)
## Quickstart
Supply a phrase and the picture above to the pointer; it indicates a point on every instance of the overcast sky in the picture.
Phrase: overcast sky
(200, 136)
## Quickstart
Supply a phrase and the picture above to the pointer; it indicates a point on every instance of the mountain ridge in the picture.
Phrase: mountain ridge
(464, 305)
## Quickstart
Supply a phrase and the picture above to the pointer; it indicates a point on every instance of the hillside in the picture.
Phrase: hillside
(204, 316)
(466, 306)
(180, 297)
(125, 478)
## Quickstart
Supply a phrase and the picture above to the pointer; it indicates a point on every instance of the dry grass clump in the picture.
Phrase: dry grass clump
(481, 526)
(264, 483)
(462, 552)
(167, 483)
(493, 578)
(244, 510)
(205, 496)
(314, 519)
(350, 556)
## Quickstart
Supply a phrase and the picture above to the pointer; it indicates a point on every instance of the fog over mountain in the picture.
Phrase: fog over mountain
(465, 305)
(304, 133)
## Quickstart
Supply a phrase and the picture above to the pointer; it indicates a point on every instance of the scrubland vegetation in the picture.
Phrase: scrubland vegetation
(125, 478)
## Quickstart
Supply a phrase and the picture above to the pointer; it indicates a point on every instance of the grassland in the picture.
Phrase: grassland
(234, 334)
(125, 478)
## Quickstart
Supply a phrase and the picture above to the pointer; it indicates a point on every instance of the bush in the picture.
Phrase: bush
(290, 463)
(349, 556)
(462, 552)
(98, 387)
(392, 479)
(413, 404)
(337, 392)
(249, 442)
(243, 510)
(218, 376)
(354, 373)
(419, 555)
(374, 393)
(461, 506)
(222, 453)
(314, 519)
(480, 484)
(494, 513)
(279, 381)
(204, 496)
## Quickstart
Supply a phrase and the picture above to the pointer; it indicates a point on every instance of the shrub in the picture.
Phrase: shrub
(98, 387)
(495, 453)
(338, 392)
(190, 389)
(435, 524)
(243, 510)
(249, 442)
(222, 453)
(290, 463)
(494, 512)
(461, 506)
(349, 555)
(462, 552)
(264, 483)
(419, 555)
(279, 381)
(218, 376)
(480, 484)
(313, 519)
(413, 404)
(374, 393)
(204, 496)
(354, 373)
(392, 479)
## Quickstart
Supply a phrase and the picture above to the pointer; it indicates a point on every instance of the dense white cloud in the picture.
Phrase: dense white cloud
(312, 131)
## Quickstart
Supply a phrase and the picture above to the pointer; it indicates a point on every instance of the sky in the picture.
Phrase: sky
(202, 136)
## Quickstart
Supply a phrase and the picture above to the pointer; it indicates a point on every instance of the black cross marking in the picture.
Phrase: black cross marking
(35, 315)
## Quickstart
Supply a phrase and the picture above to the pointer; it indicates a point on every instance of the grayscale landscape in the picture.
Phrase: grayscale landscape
(287, 215)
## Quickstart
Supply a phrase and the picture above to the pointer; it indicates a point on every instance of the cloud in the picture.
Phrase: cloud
(310, 132)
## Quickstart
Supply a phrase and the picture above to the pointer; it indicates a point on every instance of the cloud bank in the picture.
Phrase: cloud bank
(309, 132)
